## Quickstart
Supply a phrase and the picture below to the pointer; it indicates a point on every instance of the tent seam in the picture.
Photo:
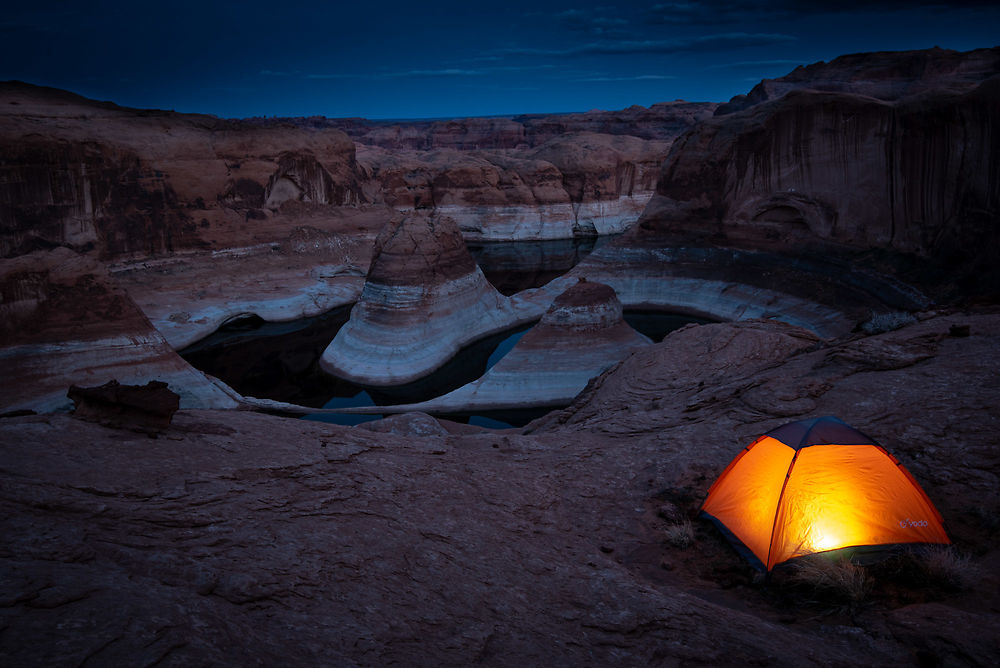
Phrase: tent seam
(777, 508)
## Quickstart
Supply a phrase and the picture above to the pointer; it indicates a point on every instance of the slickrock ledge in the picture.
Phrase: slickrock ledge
(582, 334)
(240, 538)
(62, 322)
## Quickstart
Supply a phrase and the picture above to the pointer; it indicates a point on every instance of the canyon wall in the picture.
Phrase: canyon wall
(141, 183)
(662, 121)
(857, 161)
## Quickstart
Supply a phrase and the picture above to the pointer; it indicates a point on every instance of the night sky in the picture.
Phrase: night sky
(412, 59)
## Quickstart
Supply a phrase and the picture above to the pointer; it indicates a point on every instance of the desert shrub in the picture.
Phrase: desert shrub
(680, 534)
(945, 567)
(832, 578)
(887, 322)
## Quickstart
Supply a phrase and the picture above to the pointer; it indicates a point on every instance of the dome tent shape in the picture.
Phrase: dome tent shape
(814, 486)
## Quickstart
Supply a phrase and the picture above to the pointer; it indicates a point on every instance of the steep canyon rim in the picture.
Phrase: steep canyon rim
(864, 184)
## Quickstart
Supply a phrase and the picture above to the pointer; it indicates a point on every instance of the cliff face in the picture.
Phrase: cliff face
(63, 322)
(140, 183)
(86, 195)
(129, 182)
(889, 76)
(919, 174)
(574, 185)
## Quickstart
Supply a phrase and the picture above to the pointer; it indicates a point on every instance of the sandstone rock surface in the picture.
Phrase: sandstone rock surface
(239, 538)
(580, 335)
(63, 322)
(877, 160)
(423, 299)
(662, 121)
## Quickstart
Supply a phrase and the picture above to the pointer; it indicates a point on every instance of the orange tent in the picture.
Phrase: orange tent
(815, 486)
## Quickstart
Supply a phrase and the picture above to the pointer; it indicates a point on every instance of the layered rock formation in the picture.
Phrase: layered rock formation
(581, 184)
(662, 121)
(131, 182)
(581, 334)
(242, 538)
(424, 298)
(852, 156)
(63, 323)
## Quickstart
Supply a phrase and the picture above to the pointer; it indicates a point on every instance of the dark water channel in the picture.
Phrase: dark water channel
(280, 361)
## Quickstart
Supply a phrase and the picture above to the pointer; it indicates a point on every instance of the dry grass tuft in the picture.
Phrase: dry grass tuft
(836, 579)
(681, 534)
(945, 567)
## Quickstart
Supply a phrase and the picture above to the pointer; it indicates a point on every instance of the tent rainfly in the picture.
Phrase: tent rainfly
(814, 486)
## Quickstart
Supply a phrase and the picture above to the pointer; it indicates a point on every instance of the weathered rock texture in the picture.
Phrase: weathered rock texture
(130, 182)
(424, 298)
(241, 538)
(147, 408)
(581, 334)
(576, 184)
(63, 323)
(888, 75)
(852, 156)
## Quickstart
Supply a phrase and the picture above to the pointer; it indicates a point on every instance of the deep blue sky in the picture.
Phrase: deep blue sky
(412, 59)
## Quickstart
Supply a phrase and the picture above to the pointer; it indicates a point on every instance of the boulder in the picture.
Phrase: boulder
(147, 408)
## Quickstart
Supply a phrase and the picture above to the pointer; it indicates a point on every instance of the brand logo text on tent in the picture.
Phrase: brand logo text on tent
(908, 523)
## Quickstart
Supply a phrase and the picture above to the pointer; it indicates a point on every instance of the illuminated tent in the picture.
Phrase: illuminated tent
(815, 486)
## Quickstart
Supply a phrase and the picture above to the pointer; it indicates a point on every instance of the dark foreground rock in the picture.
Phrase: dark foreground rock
(148, 407)
(236, 538)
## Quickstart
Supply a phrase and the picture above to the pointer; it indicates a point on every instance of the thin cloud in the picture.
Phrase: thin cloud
(754, 63)
(640, 77)
(733, 11)
(659, 46)
(448, 72)
(334, 76)
(593, 21)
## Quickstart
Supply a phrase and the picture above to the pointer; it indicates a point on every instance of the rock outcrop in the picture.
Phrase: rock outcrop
(913, 172)
(581, 334)
(147, 408)
(886, 75)
(424, 298)
(130, 182)
(62, 322)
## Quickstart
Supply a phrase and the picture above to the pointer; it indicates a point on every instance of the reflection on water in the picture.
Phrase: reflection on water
(512, 266)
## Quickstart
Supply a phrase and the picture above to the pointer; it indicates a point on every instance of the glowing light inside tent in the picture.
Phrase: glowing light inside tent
(828, 488)
(823, 540)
